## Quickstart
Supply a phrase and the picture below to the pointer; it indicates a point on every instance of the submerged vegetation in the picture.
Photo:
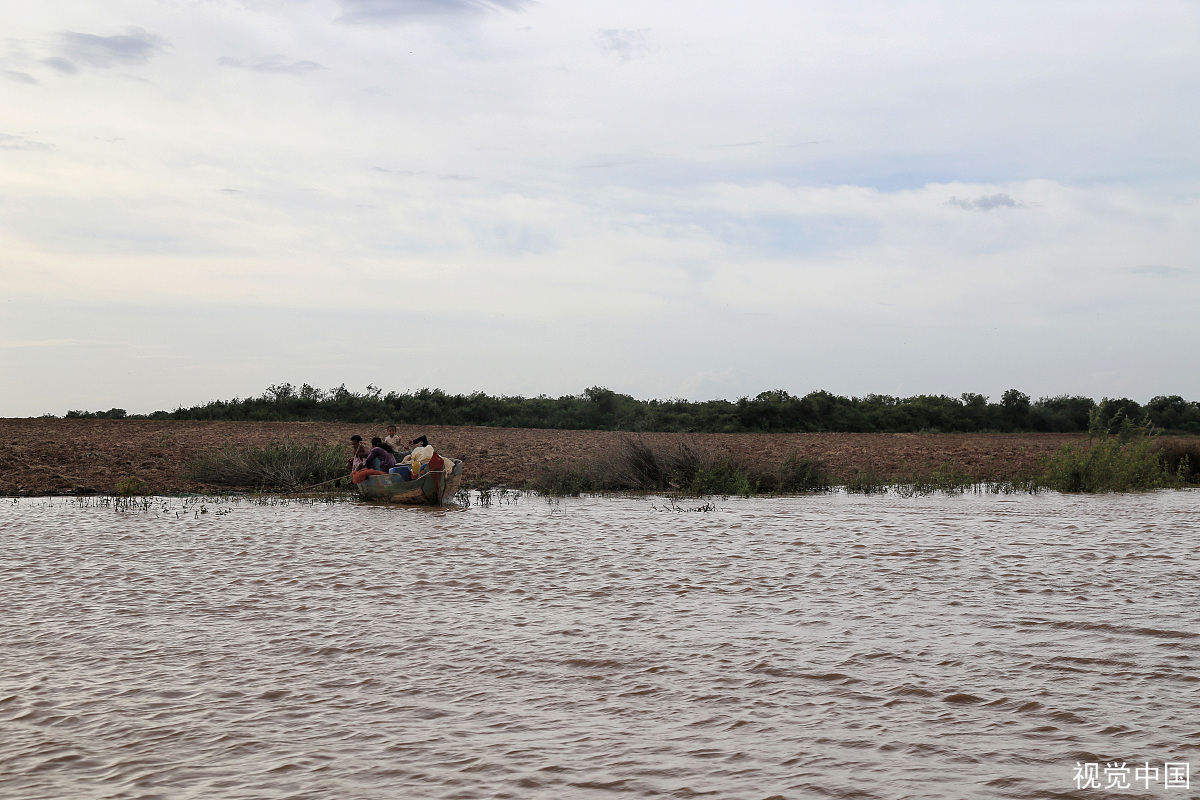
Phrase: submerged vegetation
(598, 408)
(1120, 456)
(1128, 458)
(1123, 456)
(680, 467)
(283, 465)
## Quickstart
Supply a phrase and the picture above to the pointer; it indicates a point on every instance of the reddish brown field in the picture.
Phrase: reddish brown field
(54, 456)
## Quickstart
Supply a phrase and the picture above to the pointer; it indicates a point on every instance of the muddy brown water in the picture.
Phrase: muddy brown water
(974, 646)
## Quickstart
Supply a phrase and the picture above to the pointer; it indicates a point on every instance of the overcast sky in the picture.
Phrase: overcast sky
(200, 198)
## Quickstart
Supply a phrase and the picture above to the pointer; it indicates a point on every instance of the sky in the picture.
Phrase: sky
(202, 198)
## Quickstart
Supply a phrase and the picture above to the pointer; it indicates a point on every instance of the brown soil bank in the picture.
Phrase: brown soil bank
(56, 456)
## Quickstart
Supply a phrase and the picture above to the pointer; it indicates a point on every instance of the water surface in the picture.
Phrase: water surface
(818, 646)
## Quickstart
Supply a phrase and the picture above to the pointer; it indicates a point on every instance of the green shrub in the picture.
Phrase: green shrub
(285, 465)
(640, 466)
(867, 481)
(725, 476)
(1121, 456)
(803, 475)
(1181, 459)
(945, 478)
(132, 486)
(558, 480)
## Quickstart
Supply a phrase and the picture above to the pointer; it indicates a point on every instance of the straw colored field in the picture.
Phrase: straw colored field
(55, 456)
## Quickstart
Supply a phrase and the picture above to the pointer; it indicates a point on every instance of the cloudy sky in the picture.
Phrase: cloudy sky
(200, 198)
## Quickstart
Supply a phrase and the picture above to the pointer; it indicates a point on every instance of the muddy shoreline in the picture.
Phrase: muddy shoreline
(68, 457)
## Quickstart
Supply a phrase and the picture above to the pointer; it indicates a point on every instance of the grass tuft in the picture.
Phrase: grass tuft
(283, 465)
(683, 467)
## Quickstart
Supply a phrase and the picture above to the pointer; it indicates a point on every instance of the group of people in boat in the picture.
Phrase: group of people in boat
(387, 454)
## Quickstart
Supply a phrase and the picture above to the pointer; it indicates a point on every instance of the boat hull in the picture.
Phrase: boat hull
(434, 488)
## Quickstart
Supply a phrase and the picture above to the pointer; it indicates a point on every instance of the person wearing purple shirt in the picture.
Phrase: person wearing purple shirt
(380, 457)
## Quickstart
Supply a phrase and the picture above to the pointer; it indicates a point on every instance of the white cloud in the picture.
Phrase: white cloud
(135, 46)
(278, 64)
(10, 344)
(765, 180)
(10, 141)
(20, 77)
(625, 43)
(392, 11)
(986, 202)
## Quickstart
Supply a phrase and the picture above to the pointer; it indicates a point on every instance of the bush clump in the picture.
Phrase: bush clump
(560, 480)
(681, 467)
(283, 465)
(1120, 456)
(1181, 459)
(131, 486)
(803, 475)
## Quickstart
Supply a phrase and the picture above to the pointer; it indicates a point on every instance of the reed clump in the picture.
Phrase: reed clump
(282, 465)
(1181, 458)
(804, 475)
(562, 480)
(1120, 456)
(131, 486)
(683, 467)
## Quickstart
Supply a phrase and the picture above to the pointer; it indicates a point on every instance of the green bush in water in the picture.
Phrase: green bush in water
(723, 477)
(283, 465)
(803, 475)
(1121, 457)
(1181, 459)
(558, 480)
(132, 486)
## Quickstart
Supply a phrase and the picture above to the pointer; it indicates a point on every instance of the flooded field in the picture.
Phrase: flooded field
(975, 646)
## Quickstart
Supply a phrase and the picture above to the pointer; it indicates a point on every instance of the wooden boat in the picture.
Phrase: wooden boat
(435, 488)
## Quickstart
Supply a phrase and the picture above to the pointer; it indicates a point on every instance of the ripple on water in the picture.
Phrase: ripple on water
(825, 646)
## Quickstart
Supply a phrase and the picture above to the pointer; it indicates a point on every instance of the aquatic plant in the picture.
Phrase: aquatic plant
(724, 477)
(1181, 458)
(672, 505)
(1120, 456)
(131, 486)
(945, 478)
(462, 498)
(561, 480)
(283, 465)
(803, 475)
(685, 467)
(866, 481)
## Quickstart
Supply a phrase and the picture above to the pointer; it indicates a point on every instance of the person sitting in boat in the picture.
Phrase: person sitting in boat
(392, 439)
(359, 453)
(381, 456)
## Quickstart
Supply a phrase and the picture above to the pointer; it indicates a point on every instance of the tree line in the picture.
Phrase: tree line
(599, 408)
